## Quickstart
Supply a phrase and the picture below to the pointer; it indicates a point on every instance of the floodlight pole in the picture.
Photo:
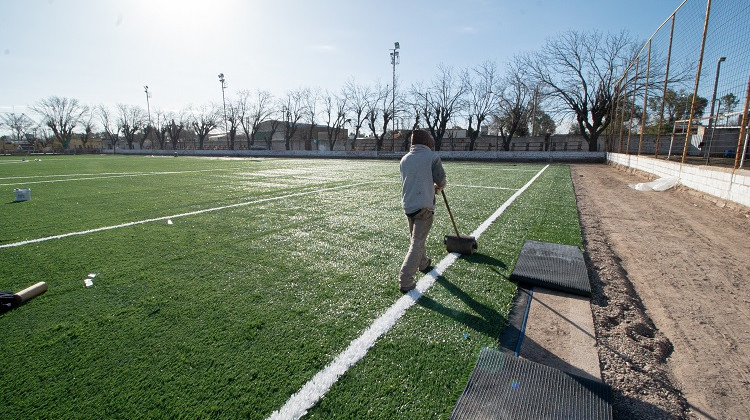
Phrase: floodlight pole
(148, 105)
(711, 114)
(394, 60)
(223, 86)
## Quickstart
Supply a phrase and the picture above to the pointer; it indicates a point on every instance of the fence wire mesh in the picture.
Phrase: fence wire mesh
(685, 94)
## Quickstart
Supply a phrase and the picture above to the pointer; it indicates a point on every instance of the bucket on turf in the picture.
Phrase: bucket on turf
(22, 194)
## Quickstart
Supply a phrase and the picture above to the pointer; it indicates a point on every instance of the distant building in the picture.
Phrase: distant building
(319, 139)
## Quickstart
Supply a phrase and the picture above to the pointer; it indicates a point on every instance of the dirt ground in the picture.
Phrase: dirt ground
(671, 301)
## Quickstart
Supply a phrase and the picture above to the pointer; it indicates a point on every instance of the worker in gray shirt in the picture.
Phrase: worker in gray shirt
(422, 176)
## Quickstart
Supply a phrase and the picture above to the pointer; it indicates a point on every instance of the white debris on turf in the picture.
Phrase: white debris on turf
(661, 184)
(169, 222)
(89, 281)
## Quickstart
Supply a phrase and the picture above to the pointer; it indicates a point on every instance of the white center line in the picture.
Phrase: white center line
(318, 386)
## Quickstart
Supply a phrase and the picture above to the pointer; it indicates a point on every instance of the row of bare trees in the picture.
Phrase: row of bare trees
(573, 75)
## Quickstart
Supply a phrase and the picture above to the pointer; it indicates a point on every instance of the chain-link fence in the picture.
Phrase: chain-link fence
(685, 96)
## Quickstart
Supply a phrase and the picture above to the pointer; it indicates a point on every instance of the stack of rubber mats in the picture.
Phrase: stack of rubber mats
(505, 386)
(553, 266)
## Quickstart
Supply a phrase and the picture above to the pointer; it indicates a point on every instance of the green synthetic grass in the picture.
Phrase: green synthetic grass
(228, 313)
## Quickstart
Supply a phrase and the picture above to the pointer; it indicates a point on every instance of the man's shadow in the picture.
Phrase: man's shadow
(485, 319)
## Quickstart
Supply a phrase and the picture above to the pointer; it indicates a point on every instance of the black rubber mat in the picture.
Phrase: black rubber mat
(554, 266)
(503, 386)
(512, 335)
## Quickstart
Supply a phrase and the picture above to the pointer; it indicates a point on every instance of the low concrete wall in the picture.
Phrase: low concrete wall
(723, 183)
(502, 156)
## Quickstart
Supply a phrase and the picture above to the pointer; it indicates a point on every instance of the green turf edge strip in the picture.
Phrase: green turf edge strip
(192, 213)
(298, 404)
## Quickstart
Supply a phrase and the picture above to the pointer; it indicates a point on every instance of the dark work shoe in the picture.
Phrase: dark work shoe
(406, 289)
(428, 267)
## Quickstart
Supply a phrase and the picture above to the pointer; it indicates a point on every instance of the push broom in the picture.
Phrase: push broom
(457, 243)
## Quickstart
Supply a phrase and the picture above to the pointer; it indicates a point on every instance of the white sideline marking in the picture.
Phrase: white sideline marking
(108, 173)
(174, 216)
(66, 175)
(310, 393)
(106, 176)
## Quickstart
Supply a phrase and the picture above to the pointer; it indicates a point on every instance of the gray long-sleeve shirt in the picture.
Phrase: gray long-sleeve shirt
(421, 169)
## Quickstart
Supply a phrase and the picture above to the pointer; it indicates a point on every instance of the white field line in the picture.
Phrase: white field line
(174, 216)
(104, 176)
(91, 174)
(310, 393)
(66, 175)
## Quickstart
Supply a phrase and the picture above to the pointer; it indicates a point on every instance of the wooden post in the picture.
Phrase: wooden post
(743, 128)
(697, 81)
(666, 82)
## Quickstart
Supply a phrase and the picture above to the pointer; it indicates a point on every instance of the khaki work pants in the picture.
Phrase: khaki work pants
(416, 258)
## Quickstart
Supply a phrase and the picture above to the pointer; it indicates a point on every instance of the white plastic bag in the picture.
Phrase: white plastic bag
(661, 184)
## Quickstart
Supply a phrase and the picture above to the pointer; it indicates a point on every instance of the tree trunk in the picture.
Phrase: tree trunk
(593, 140)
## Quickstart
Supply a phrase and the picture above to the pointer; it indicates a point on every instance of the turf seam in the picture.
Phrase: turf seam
(311, 392)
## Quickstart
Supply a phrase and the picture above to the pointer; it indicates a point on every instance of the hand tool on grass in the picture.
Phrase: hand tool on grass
(457, 243)
(10, 300)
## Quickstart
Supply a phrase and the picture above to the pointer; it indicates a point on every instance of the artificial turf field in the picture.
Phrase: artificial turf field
(224, 285)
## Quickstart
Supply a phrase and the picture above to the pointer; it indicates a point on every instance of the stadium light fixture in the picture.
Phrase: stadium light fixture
(223, 101)
(148, 105)
(395, 59)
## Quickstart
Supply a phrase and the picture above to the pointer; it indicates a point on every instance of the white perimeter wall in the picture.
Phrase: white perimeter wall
(503, 156)
(723, 183)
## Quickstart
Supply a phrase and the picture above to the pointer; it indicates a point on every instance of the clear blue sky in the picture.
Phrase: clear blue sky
(105, 51)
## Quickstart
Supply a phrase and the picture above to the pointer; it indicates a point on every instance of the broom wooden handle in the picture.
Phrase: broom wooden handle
(449, 213)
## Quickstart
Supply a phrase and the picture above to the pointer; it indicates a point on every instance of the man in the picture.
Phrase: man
(422, 176)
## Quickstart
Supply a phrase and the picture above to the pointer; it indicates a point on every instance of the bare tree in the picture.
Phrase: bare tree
(19, 124)
(203, 120)
(61, 115)
(481, 81)
(292, 109)
(145, 133)
(379, 105)
(274, 125)
(579, 71)
(46, 136)
(515, 98)
(130, 120)
(111, 128)
(358, 97)
(310, 113)
(335, 107)
(254, 112)
(411, 117)
(161, 127)
(441, 101)
(176, 128)
(234, 119)
(87, 122)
